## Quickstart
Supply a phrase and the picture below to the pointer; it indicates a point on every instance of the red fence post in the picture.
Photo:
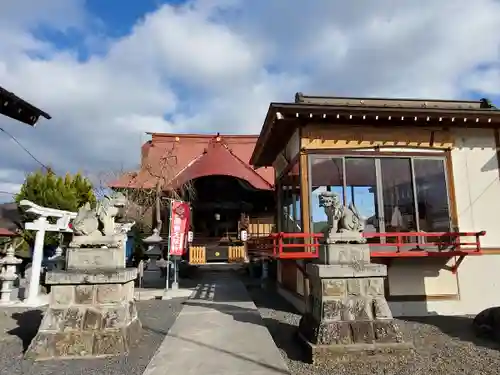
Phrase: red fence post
(280, 249)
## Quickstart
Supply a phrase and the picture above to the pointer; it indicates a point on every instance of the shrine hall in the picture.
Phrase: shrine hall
(423, 174)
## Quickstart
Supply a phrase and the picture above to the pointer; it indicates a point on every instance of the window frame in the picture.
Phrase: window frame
(343, 155)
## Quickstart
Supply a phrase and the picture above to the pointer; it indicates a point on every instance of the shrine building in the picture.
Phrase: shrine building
(225, 193)
(424, 174)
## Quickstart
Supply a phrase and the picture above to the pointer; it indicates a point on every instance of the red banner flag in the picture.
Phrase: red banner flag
(179, 224)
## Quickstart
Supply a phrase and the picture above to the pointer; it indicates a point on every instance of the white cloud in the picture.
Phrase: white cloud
(183, 44)
(486, 81)
(214, 65)
(9, 187)
(10, 183)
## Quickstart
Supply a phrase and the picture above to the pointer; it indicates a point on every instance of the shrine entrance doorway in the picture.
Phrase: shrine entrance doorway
(222, 207)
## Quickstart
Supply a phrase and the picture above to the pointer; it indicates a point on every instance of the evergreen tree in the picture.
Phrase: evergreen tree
(46, 189)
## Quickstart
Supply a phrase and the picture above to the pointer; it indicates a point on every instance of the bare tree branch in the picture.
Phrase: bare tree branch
(15, 242)
(148, 190)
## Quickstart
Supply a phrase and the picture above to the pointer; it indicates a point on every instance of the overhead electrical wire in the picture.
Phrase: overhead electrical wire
(24, 148)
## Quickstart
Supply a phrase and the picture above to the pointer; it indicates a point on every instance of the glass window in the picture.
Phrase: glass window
(397, 195)
(432, 195)
(361, 190)
(290, 216)
(393, 194)
(285, 199)
(326, 175)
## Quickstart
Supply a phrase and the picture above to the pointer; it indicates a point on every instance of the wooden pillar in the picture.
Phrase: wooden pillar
(277, 222)
(451, 192)
(279, 206)
(305, 213)
(304, 193)
(497, 144)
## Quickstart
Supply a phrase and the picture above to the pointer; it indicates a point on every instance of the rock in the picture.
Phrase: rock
(487, 323)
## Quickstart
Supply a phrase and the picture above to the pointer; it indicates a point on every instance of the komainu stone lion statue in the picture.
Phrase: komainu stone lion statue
(97, 226)
(333, 210)
(345, 224)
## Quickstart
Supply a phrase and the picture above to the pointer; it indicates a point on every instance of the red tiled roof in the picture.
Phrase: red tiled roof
(219, 160)
(6, 233)
(189, 156)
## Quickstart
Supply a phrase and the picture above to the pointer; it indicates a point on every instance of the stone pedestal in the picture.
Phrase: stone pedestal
(347, 314)
(92, 312)
(344, 254)
(94, 258)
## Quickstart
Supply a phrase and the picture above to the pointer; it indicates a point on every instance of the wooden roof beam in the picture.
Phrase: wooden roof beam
(18, 109)
(389, 117)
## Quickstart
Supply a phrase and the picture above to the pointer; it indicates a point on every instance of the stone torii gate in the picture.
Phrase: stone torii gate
(42, 225)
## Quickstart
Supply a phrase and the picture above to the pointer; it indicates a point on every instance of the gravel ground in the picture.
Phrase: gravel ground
(443, 345)
(17, 327)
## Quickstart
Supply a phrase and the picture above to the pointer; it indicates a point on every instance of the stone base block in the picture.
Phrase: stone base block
(345, 340)
(90, 314)
(87, 277)
(335, 271)
(321, 354)
(94, 258)
(334, 253)
(349, 332)
(84, 343)
(345, 237)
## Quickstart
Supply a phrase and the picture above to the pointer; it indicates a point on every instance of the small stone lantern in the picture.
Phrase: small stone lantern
(8, 274)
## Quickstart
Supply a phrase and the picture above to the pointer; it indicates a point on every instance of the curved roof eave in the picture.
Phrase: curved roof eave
(219, 160)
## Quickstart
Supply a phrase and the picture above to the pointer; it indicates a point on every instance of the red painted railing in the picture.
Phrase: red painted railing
(446, 244)
(443, 244)
(277, 245)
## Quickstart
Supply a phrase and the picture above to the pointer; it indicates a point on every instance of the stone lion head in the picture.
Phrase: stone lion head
(328, 199)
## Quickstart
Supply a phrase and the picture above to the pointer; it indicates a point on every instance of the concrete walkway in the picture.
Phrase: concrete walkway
(219, 331)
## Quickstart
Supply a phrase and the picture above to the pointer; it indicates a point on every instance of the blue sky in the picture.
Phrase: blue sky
(109, 71)
(363, 198)
(118, 18)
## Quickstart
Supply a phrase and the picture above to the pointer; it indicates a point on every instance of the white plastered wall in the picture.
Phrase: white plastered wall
(422, 276)
(477, 195)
